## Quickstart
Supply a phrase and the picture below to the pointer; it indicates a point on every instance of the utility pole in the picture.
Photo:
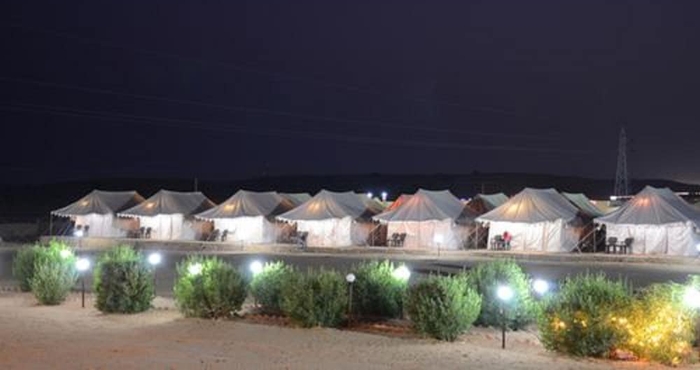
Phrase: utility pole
(196, 184)
(621, 180)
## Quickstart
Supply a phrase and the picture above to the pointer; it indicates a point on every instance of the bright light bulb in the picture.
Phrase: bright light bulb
(350, 278)
(65, 253)
(402, 273)
(691, 297)
(194, 269)
(256, 267)
(78, 233)
(438, 238)
(504, 293)
(540, 286)
(82, 264)
(370, 195)
(154, 258)
(698, 247)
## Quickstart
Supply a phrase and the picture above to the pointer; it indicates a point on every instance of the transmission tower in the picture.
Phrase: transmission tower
(621, 180)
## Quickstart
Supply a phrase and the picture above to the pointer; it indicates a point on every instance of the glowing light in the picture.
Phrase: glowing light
(698, 247)
(65, 253)
(370, 195)
(438, 238)
(540, 286)
(154, 258)
(194, 269)
(84, 203)
(504, 293)
(256, 267)
(384, 195)
(78, 233)
(691, 297)
(402, 273)
(350, 278)
(82, 264)
(150, 205)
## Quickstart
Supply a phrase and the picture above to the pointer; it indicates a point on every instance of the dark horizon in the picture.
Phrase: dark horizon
(236, 90)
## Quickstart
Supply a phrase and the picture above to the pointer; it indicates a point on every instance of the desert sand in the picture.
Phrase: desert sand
(68, 337)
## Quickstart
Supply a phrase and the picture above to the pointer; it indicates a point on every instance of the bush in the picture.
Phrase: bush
(266, 287)
(209, 288)
(23, 266)
(487, 277)
(315, 298)
(659, 325)
(54, 273)
(123, 281)
(443, 307)
(376, 292)
(579, 320)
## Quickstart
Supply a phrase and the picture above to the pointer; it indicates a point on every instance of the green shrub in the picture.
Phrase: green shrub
(376, 292)
(487, 277)
(579, 320)
(208, 287)
(266, 287)
(54, 273)
(315, 298)
(123, 281)
(443, 307)
(23, 266)
(659, 325)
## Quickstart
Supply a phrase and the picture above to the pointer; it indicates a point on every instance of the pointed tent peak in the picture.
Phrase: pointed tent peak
(482, 203)
(166, 202)
(398, 202)
(328, 205)
(429, 205)
(101, 202)
(296, 198)
(245, 203)
(531, 206)
(653, 206)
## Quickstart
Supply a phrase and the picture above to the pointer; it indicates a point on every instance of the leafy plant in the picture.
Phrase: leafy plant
(54, 273)
(123, 281)
(23, 266)
(376, 292)
(266, 287)
(315, 298)
(486, 278)
(580, 319)
(208, 287)
(443, 307)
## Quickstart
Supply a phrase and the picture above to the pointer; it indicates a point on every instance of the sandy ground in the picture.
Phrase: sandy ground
(68, 337)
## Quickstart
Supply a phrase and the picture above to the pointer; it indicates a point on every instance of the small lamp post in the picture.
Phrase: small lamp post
(384, 195)
(154, 259)
(438, 239)
(350, 278)
(541, 287)
(82, 265)
(256, 267)
(505, 294)
(194, 269)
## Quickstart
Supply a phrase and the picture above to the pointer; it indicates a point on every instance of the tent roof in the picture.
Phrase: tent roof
(653, 206)
(327, 205)
(584, 204)
(532, 206)
(482, 203)
(166, 202)
(296, 198)
(398, 202)
(427, 205)
(373, 204)
(249, 204)
(101, 202)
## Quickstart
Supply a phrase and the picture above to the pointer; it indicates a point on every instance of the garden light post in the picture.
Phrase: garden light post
(256, 267)
(541, 287)
(505, 294)
(438, 239)
(82, 265)
(350, 278)
(384, 195)
(194, 269)
(154, 259)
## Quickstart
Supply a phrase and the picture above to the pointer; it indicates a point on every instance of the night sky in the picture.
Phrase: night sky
(235, 89)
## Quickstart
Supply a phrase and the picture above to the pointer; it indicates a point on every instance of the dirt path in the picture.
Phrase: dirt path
(68, 337)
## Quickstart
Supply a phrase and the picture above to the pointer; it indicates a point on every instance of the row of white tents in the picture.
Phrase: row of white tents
(539, 220)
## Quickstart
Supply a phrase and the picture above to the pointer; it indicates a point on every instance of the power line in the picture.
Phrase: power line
(223, 127)
(274, 75)
(255, 110)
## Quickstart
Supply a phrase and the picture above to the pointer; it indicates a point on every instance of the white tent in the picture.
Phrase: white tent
(482, 203)
(97, 210)
(658, 220)
(169, 214)
(538, 220)
(585, 205)
(248, 217)
(333, 219)
(430, 219)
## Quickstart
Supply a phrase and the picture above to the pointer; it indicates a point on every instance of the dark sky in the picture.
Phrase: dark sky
(233, 89)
